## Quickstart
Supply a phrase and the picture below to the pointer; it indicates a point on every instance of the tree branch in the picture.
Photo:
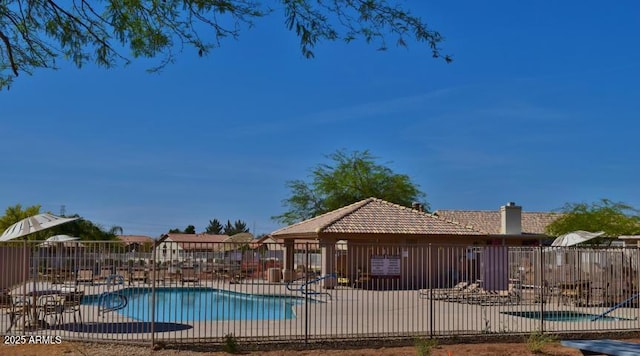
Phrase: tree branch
(7, 44)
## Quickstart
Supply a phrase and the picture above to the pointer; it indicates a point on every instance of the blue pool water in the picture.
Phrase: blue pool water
(562, 315)
(199, 304)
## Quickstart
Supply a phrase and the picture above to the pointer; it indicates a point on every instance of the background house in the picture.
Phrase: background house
(190, 248)
(510, 220)
(136, 243)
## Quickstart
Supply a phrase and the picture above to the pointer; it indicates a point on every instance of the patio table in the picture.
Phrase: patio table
(30, 301)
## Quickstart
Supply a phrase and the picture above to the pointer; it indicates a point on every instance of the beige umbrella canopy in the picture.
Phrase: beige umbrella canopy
(575, 237)
(53, 240)
(33, 224)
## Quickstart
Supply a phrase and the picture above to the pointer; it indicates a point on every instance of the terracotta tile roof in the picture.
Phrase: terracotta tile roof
(375, 216)
(268, 241)
(490, 221)
(243, 237)
(135, 239)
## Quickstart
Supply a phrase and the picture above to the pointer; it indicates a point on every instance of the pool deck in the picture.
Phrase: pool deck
(348, 312)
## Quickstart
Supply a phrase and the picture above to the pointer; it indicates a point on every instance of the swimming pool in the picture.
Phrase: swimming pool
(562, 315)
(200, 304)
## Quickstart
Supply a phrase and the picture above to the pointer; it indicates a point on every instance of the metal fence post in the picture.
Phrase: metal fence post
(637, 269)
(153, 296)
(542, 289)
(306, 300)
(431, 316)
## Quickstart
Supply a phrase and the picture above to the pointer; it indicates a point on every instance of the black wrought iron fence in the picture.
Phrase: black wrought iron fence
(204, 292)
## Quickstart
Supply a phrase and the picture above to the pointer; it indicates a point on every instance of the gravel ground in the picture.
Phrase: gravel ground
(104, 349)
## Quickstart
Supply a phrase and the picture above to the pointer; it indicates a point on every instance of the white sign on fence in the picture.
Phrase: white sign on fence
(385, 266)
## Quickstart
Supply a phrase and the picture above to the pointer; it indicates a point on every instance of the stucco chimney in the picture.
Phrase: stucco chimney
(511, 219)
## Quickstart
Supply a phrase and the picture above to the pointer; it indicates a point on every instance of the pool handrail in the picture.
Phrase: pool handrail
(102, 309)
(295, 281)
(115, 279)
(303, 287)
(617, 306)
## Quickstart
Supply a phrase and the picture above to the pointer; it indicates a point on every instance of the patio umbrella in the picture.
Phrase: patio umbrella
(28, 226)
(58, 238)
(575, 237)
(33, 224)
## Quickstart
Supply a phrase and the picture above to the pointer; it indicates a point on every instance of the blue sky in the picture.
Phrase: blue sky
(539, 107)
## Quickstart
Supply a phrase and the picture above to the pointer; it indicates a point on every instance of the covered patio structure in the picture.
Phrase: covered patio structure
(382, 240)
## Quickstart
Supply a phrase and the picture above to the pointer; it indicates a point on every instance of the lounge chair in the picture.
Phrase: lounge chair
(84, 276)
(490, 297)
(139, 276)
(442, 293)
(188, 275)
(124, 272)
(462, 295)
(105, 273)
(161, 275)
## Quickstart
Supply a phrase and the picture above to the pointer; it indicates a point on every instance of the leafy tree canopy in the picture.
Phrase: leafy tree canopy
(350, 177)
(15, 213)
(187, 230)
(215, 227)
(614, 218)
(84, 229)
(237, 227)
(33, 34)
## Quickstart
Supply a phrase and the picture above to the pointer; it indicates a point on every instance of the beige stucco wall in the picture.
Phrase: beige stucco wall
(425, 261)
(13, 265)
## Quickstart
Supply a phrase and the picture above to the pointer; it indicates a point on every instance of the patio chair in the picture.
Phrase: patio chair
(207, 273)
(84, 276)
(71, 305)
(188, 275)
(51, 306)
(58, 275)
(7, 306)
(16, 308)
(575, 293)
(5, 299)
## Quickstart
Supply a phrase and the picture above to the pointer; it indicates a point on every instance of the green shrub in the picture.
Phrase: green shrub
(537, 341)
(425, 346)
(230, 344)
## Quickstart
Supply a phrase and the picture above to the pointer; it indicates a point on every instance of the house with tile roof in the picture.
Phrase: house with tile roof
(390, 240)
(494, 222)
(188, 247)
(136, 242)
